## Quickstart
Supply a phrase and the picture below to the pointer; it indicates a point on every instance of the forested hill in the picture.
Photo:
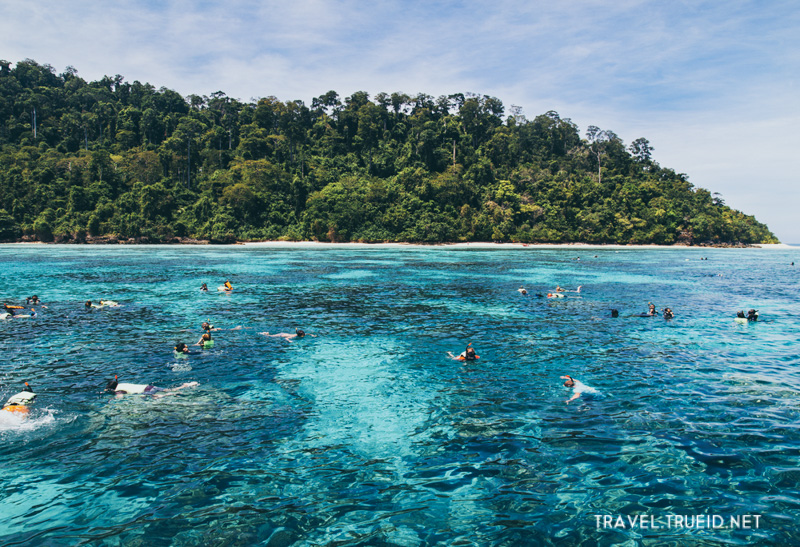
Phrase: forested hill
(81, 160)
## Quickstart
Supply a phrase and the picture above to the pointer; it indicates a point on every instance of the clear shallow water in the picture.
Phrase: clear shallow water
(368, 434)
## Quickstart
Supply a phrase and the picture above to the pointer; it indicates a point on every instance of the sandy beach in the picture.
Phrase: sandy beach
(470, 245)
(490, 245)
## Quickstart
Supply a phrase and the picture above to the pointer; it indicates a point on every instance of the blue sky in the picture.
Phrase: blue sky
(712, 85)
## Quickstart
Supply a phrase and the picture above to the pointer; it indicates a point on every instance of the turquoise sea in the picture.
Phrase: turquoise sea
(368, 433)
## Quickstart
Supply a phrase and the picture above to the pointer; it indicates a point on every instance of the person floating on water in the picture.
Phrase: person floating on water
(578, 388)
(522, 291)
(298, 333)
(181, 349)
(752, 315)
(32, 300)
(560, 292)
(205, 341)
(651, 309)
(203, 287)
(668, 313)
(466, 355)
(19, 403)
(121, 389)
(11, 310)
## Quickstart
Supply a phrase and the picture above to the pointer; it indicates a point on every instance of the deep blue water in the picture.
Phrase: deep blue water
(368, 434)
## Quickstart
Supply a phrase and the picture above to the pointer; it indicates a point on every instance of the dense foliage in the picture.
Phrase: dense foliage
(112, 158)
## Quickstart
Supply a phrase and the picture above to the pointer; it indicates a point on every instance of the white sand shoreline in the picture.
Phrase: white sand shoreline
(490, 245)
(471, 245)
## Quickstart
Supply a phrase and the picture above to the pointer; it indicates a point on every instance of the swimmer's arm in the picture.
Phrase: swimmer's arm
(573, 397)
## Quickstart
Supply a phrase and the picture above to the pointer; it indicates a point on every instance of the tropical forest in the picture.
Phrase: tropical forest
(113, 161)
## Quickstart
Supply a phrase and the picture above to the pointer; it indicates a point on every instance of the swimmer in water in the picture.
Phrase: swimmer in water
(668, 313)
(120, 389)
(10, 310)
(466, 355)
(228, 286)
(205, 339)
(752, 315)
(651, 309)
(298, 333)
(181, 349)
(18, 403)
(578, 388)
(204, 287)
(522, 291)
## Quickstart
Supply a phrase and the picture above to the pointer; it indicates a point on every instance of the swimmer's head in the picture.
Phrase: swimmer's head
(300, 333)
(88, 304)
(206, 336)
(181, 348)
(570, 382)
(112, 385)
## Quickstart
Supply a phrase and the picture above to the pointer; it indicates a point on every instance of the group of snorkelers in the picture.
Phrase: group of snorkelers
(17, 311)
(752, 315)
(227, 287)
(19, 403)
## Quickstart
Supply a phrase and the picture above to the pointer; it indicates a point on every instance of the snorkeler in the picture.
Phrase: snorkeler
(651, 309)
(204, 287)
(146, 389)
(10, 310)
(466, 355)
(298, 333)
(668, 313)
(19, 403)
(205, 341)
(578, 388)
(181, 349)
(32, 300)
(522, 291)
(752, 315)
